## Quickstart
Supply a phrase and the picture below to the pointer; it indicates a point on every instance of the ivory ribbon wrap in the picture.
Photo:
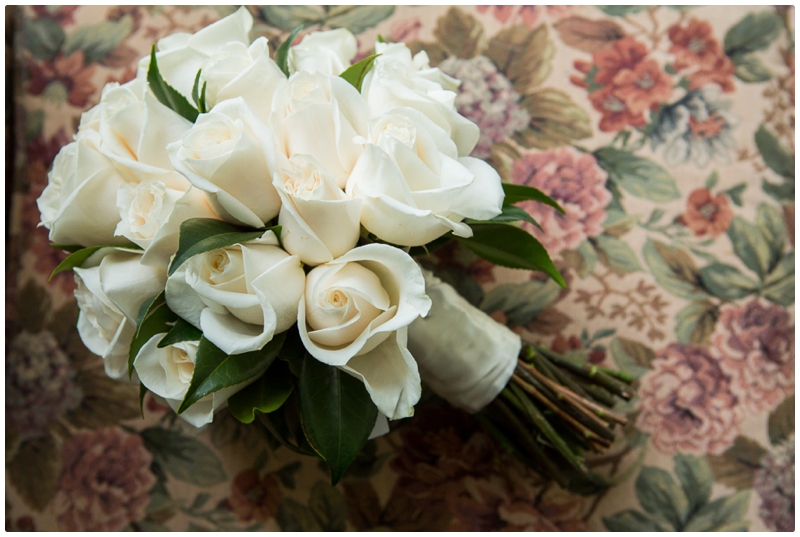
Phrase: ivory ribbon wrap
(465, 356)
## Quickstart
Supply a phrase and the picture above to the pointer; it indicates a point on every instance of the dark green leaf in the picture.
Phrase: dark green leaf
(735, 193)
(282, 53)
(154, 318)
(674, 270)
(214, 370)
(640, 176)
(556, 120)
(738, 465)
(749, 246)
(265, 395)
(459, 33)
(33, 472)
(781, 421)
(287, 474)
(337, 412)
(203, 106)
(509, 214)
(180, 331)
(355, 73)
(71, 248)
(294, 516)
(621, 11)
(616, 254)
(726, 282)
(78, 257)
(511, 247)
(754, 32)
(328, 507)
(521, 302)
(185, 458)
(781, 291)
(773, 228)
(166, 94)
(660, 496)
(722, 514)
(42, 37)
(517, 193)
(750, 69)
(98, 40)
(631, 356)
(200, 235)
(778, 158)
(695, 322)
(630, 520)
(694, 473)
(196, 89)
(780, 192)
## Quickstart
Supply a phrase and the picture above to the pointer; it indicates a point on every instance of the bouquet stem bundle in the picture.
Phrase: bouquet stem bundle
(556, 408)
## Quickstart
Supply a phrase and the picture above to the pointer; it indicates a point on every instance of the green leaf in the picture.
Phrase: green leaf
(185, 458)
(780, 192)
(778, 158)
(328, 507)
(639, 176)
(621, 11)
(556, 120)
(735, 193)
(196, 90)
(154, 318)
(282, 53)
(180, 331)
(42, 37)
(460, 33)
(355, 73)
(78, 257)
(166, 94)
(98, 40)
(583, 260)
(287, 18)
(337, 413)
(71, 248)
(726, 282)
(631, 356)
(357, 19)
(736, 467)
(773, 228)
(616, 254)
(200, 235)
(265, 395)
(517, 193)
(694, 473)
(294, 516)
(695, 322)
(34, 471)
(521, 302)
(712, 180)
(722, 514)
(522, 55)
(674, 270)
(781, 421)
(779, 284)
(750, 69)
(618, 223)
(509, 214)
(511, 247)
(630, 520)
(214, 370)
(754, 32)
(660, 496)
(749, 245)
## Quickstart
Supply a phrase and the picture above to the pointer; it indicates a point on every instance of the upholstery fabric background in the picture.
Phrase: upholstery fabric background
(668, 136)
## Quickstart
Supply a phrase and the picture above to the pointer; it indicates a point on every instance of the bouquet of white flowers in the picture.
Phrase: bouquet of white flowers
(243, 232)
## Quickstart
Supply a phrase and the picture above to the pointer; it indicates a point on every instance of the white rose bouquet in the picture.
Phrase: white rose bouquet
(242, 231)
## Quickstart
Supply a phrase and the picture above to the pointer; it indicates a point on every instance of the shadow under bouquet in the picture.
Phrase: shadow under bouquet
(248, 229)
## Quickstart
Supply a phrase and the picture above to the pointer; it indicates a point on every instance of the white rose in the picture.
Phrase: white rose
(328, 52)
(236, 70)
(320, 115)
(355, 315)
(319, 222)
(181, 55)
(151, 214)
(112, 286)
(78, 205)
(230, 154)
(396, 80)
(135, 129)
(167, 372)
(464, 355)
(414, 186)
(239, 296)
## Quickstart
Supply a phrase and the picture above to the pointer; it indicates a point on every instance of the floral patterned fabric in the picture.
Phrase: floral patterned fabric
(667, 134)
